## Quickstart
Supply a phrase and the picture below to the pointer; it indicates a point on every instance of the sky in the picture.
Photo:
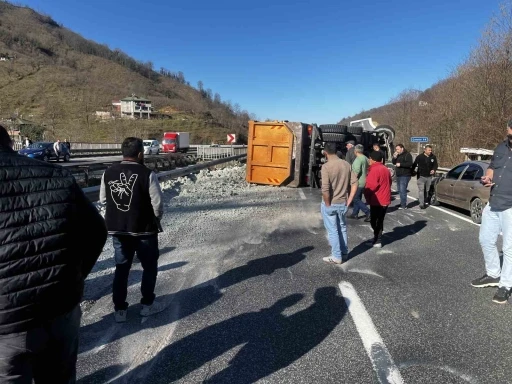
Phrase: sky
(301, 60)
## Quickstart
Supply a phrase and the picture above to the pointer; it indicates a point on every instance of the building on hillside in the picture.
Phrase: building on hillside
(136, 107)
(116, 107)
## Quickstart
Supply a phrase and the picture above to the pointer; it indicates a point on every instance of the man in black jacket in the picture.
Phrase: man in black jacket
(403, 168)
(45, 257)
(133, 197)
(351, 155)
(426, 163)
(376, 148)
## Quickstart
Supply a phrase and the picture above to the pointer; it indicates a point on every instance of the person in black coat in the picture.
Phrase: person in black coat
(50, 238)
(403, 162)
(376, 148)
(426, 163)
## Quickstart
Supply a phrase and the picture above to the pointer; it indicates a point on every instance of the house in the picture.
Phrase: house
(136, 107)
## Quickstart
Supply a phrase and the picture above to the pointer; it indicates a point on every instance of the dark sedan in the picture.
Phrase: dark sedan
(44, 151)
(461, 187)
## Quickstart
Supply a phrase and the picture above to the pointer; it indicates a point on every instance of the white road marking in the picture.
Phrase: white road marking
(382, 362)
(302, 195)
(445, 211)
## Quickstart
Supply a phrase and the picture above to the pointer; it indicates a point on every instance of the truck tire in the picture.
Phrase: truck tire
(355, 130)
(358, 139)
(333, 128)
(333, 137)
(388, 130)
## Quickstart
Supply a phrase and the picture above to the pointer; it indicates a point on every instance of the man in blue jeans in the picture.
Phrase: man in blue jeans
(496, 219)
(403, 167)
(360, 168)
(134, 208)
(337, 180)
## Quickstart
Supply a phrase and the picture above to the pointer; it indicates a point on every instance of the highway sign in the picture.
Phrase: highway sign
(231, 138)
(419, 139)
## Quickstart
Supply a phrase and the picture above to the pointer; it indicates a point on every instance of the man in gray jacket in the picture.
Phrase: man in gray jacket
(133, 197)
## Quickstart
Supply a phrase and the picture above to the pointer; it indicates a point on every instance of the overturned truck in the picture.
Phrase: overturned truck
(291, 153)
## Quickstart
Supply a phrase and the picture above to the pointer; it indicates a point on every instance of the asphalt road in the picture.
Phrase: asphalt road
(249, 299)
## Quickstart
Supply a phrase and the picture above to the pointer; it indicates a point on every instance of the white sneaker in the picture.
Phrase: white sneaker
(377, 245)
(332, 260)
(120, 316)
(148, 310)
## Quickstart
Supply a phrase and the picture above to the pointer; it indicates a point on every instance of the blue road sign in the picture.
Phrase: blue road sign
(419, 139)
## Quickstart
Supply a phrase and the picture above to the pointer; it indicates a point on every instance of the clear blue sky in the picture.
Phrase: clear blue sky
(300, 60)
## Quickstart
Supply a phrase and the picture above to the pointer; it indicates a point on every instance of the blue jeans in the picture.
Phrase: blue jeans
(336, 225)
(358, 203)
(402, 182)
(124, 251)
(492, 224)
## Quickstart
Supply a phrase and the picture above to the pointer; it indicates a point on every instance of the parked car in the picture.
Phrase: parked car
(151, 147)
(44, 151)
(461, 188)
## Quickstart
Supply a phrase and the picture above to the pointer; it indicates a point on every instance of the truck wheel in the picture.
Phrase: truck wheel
(355, 130)
(333, 128)
(334, 137)
(359, 139)
(388, 130)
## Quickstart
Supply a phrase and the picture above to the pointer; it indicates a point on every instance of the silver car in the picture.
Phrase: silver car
(151, 147)
(461, 188)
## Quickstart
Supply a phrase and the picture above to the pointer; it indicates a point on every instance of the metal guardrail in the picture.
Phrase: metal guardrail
(93, 192)
(212, 153)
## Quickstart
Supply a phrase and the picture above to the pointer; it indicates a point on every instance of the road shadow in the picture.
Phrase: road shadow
(400, 233)
(190, 300)
(99, 376)
(271, 341)
(165, 250)
(97, 287)
(397, 234)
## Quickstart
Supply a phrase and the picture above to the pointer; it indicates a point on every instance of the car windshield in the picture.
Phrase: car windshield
(147, 143)
(38, 145)
(169, 141)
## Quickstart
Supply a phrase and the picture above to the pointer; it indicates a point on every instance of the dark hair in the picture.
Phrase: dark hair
(376, 156)
(400, 145)
(428, 146)
(330, 148)
(131, 147)
(5, 139)
(376, 144)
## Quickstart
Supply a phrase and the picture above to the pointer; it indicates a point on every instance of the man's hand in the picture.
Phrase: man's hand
(487, 181)
(432, 172)
(398, 165)
(121, 191)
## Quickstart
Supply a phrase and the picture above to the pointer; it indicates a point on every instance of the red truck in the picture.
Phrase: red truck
(174, 142)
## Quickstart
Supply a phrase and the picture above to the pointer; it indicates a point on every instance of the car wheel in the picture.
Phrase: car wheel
(46, 158)
(66, 157)
(476, 209)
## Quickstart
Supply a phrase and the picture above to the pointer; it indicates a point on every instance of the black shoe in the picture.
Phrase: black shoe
(368, 218)
(501, 297)
(423, 207)
(486, 281)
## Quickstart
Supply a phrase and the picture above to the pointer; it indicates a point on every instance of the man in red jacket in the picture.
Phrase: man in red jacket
(378, 195)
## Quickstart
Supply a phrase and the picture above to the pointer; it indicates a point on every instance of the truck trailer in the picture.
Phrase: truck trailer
(291, 153)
